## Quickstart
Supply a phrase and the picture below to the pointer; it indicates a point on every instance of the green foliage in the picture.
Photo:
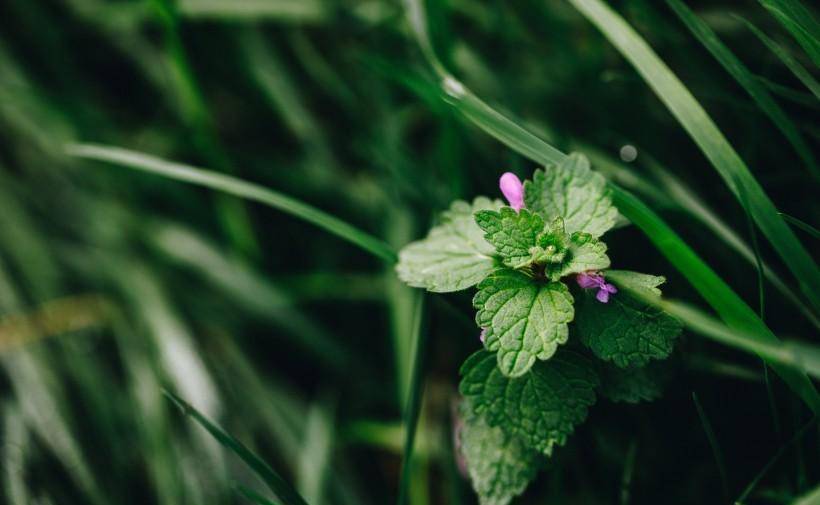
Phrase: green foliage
(572, 191)
(529, 319)
(513, 233)
(500, 465)
(454, 256)
(633, 385)
(543, 407)
(627, 331)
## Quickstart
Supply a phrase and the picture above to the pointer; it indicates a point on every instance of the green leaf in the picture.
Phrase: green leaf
(585, 253)
(633, 385)
(500, 465)
(512, 233)
(571, 190)
(627, 331)
(543, 407)
(746, 329)
(528, 318)
(454, 256)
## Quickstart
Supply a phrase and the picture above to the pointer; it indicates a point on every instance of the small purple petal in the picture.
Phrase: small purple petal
(513, 190)
(483, 335)
(610, 288)
(602, 295)
(588, 280)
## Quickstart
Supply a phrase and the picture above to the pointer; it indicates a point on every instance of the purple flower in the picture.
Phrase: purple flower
(513, 190)
(483, 335)
(589, 280)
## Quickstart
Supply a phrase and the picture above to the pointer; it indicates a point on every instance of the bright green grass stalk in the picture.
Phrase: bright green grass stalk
(790, 61)
(747, 80)
(731, 308)
(800, 22)
(235, 187)
(711, 141)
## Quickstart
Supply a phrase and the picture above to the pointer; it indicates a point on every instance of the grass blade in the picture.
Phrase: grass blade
(783, 356)
(252, 496)
(255, 10)
(800, 22)
(729, 306)
(273, 480)
(709, 139)
(237, 187)
(713, 443)
(413, 407)
(747, 80)
(806, 227)
(791, 63)
(774, 459)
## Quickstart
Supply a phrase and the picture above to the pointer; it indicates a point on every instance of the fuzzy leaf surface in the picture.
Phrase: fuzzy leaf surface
(571, 190)
(529, 319)
(500, 465)
(454, 255)
(626, 331)
(512, 233)
(542, 407)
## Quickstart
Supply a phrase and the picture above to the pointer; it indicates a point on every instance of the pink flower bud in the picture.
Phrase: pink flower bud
(513, 190)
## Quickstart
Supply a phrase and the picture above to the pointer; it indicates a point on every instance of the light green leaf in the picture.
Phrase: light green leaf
(528, 318)
(571, 190)
(543, 407)
(585, 253)
(633, 385)
(637, 280)
(627, 331)
(500, 465)
(454, 255)
(512, 233)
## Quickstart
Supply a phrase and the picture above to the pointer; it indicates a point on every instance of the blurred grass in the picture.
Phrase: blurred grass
(114, 285)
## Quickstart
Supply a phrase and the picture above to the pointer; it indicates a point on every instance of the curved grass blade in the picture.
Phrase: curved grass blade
(729, 306)
(791, 63)
(800, 22)
(747, 80)
(273, 480)
(413, 407)
(806, 227)
(237, 187)
(709, 139)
